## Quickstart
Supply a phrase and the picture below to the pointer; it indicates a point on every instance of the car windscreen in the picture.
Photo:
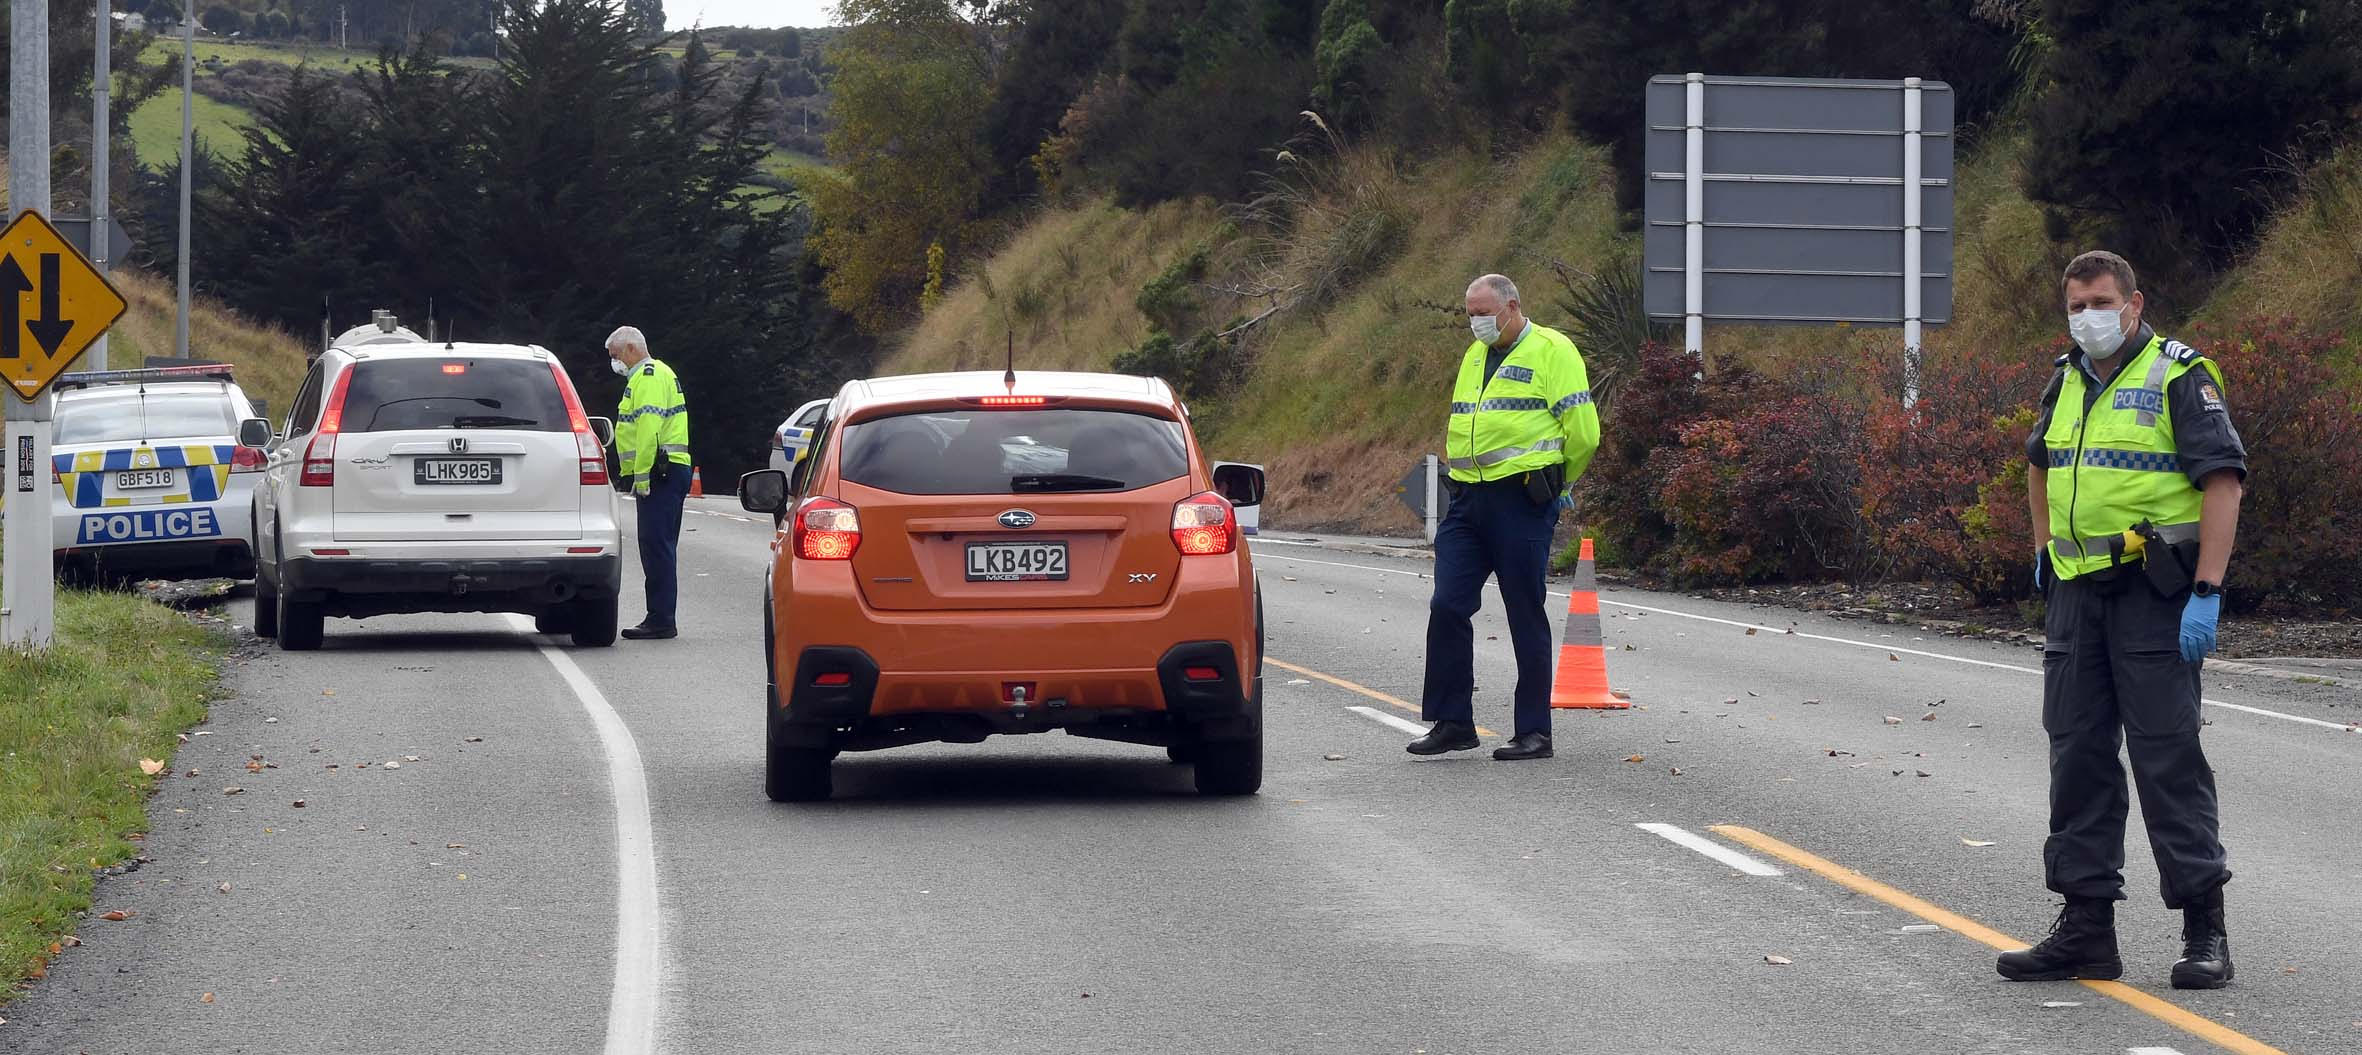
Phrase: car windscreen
(149, 416)
(398, 394)
(992, 451)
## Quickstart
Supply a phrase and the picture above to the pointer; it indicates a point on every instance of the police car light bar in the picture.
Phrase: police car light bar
(86, 378)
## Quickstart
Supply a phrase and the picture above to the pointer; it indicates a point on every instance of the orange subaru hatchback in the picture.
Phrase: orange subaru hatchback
(978, 553)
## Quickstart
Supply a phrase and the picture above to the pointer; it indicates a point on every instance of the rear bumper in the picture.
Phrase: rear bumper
(362, 586)
(837, 694)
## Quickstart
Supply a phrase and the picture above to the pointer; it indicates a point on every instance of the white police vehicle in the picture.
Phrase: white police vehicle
(421, 476)
(794, 437)
(152, 478)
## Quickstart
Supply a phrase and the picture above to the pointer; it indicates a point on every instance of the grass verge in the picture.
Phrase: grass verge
(124, 677)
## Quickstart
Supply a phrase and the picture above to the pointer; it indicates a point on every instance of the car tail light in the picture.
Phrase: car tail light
(830, 681)
(248, 460)
(1013, 401)
(586, 443)
(319, 456)
(827, 529)
(1204, 527)
(1201, 674)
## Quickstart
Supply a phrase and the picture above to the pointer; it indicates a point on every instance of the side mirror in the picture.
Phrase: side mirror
(1241, 484)
(763, 491)
(604, 429)
(255, 433)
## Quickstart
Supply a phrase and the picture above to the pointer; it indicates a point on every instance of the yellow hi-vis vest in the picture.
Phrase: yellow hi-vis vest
(1533, 413)
(652, 420)
(2119, 465)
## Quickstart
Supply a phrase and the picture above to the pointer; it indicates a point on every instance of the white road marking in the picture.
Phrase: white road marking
(1880, 646)
(1397, 721)
(2151, 1051)
(639, 957)
(1710, 848)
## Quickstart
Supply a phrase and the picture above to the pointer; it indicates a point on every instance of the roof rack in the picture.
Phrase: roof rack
(88, 378)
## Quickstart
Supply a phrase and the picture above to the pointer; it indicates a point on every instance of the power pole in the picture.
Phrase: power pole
(188, 164)
(101, 140)
(341, 22)
(28, 601)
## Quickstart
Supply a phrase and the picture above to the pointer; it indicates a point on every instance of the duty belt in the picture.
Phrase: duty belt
(1501, 454)
(2170, 534)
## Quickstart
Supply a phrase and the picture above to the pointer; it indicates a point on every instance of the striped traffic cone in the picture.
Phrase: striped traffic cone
(696, 483)
(1582, 654)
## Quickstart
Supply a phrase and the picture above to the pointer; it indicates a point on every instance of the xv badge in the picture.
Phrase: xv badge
(1143, 576)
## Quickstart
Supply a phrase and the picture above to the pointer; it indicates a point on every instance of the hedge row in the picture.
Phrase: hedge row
(1818, 472)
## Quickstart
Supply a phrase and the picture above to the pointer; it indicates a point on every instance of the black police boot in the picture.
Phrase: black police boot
(2082, 944)
(1444, 736)
(2206, 945)
(1525, 746)
(650, 632)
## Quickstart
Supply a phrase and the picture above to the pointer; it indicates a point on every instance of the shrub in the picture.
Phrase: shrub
(2295, 397)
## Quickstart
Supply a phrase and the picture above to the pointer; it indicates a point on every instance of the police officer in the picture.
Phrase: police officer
(652, 445)
(2134, 434)
(1521, 431)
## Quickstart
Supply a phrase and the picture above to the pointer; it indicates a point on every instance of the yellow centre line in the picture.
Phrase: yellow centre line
(1362, 689)
(2164, 1011)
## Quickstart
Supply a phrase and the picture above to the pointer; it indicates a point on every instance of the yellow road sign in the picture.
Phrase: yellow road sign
(53, 304)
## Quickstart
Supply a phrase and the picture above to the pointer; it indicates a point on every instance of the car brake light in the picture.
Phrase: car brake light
(455, 368)
(248, 460)
(830, 681)
(319, 456)
(1013, 401)
(827, 529)
(1204, 527)
(1201, 674)
(586, 443)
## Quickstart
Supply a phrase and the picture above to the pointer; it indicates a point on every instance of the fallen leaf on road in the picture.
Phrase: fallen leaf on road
(117, 916)
(327, 692)
(1966, 841)
(1671, 740)
(1332, 758)
(475, 739)
(206, 999)
(1976, 725)
(1752, 692)
(1677, 771)
(463, 875)
(1778, 961)
(1732, 702)
(70, 941)
(411, 758)
(393, 765)
(270, 721)
(1892, 658)
(1923, 772)
(1898, 772)
(1629, 648)
(1812, 703)
(1928, 717)
(1637, 758)
(1892, 720)
(150, 766)
(254, 767)
(224, 888)
(455, 846)
(1287, 578)
(1750, 631)
(233, 791)
(1938, 703)
(1833, 753)
(1621, 694)
(184, 737)
(299, 804)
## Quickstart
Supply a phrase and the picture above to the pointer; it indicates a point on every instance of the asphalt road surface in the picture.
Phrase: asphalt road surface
(442, 843)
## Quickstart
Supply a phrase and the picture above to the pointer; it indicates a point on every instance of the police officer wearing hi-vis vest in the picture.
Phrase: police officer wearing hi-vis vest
(652, 445)
(1521, 431)
(2135, 487)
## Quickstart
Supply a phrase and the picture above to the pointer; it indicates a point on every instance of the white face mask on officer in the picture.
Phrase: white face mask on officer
(2098, 332)
(617, 365)
(1487, 328)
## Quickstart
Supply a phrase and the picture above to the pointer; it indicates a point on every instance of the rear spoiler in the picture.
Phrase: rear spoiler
(88, 378)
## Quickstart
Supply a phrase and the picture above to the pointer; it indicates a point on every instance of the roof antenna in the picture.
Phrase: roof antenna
(1010, 378)
(450, 333)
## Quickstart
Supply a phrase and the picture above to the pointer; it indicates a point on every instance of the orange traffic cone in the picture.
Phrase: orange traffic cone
(696, 483)
(1582, 653)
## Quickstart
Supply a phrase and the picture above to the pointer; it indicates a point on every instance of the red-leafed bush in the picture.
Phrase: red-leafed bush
(1944, 482)
(2296, 399)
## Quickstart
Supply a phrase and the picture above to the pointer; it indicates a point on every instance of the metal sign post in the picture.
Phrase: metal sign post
(1799, 201)
(27, 598)
(101, 140)
(1421, 489)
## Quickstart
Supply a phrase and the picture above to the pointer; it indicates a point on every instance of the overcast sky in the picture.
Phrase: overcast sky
(767, 14)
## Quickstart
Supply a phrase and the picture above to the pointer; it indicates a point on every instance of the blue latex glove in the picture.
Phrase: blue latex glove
(2038, 563)
(1564, 505)
(2198, 619)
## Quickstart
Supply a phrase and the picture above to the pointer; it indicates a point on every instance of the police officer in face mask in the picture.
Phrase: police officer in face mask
(2135, 487)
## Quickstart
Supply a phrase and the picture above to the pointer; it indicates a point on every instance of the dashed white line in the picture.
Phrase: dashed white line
(1880, 646)
(2151, 1051)
(1726, 855)
(639, 951)
(1397, 721)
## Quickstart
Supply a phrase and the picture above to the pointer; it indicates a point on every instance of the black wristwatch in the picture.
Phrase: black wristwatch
(2202, 588)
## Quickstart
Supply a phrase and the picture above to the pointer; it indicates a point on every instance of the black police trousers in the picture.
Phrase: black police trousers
(2113, 674)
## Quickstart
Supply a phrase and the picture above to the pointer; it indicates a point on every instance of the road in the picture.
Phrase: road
(464, 870)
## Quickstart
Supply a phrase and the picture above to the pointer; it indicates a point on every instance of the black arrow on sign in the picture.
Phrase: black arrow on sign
(12, 282)
(50, 330)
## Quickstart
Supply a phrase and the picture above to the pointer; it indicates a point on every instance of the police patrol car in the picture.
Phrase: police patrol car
(152, 479)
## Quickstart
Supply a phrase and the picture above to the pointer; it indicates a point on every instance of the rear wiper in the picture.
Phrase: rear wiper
(1062, 482)
(490, 421)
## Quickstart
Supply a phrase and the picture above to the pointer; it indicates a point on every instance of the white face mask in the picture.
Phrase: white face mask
(617, 365)
(1486, 328)
(2099, 333)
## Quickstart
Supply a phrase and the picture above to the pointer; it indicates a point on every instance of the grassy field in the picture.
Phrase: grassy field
(155, 127)
(125, 677)
(270, 363)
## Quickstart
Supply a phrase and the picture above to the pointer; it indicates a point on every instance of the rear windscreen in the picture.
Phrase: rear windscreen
(399, 394)
(965, 452)
(145, 417)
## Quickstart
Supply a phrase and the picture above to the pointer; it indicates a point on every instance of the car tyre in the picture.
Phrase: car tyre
(796, 774)
(302, 624)
(266, 608)
(593, 621)
(556, 620)
(1182, 753)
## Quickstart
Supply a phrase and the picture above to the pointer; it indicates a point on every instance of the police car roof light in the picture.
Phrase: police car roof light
(86, 378)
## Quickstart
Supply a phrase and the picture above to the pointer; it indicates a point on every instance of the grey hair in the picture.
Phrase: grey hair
(627, 337)
(1499, 284)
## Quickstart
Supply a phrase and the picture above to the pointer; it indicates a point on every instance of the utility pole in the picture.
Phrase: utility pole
(101, 140)
(188, 164)
(28, 601)
(341, 22)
